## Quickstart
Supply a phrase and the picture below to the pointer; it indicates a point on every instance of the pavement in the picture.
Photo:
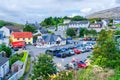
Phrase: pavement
(34, 52)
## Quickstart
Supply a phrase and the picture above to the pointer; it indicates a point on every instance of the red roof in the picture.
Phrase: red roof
(22, 34)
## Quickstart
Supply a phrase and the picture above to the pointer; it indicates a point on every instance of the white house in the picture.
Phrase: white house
(66, 21)
(96, 26)
(9, 29)
(62, 27)
(6, 31)
(4, 67)
(116, 21)
(78, 24)
(50, 40)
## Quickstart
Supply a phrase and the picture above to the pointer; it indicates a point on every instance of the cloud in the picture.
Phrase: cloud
(117, 1)
(37, 10)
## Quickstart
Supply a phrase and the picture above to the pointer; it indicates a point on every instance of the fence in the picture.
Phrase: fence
(20, 73)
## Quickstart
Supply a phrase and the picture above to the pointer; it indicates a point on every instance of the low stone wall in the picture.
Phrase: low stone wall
(20, 73)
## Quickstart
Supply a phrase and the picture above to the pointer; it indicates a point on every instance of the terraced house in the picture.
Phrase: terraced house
(22, 36)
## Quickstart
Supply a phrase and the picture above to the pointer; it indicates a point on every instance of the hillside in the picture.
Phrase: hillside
(6, 23)
(109, 13)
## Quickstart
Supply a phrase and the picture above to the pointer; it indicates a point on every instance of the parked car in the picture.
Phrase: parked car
(82, 64)
(76, 51)
(70, 52)
(52, 51)
(68, 67)
(15, 49)
(61, 54)
(82, 50)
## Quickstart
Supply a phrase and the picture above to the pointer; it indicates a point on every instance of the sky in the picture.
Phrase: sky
(20, 11)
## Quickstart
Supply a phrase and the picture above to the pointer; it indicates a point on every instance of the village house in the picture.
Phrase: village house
(78, 24)
(50, 40)
(9, 29)
(4, 67)
(22, 36)
(96, 26)
(62, 27)
(116, 21)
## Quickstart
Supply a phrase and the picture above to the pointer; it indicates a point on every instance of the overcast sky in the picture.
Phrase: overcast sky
(21, 11)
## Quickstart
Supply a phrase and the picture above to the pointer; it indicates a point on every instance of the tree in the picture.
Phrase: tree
(78, 18)
(70, 32)
(117, 32)
(29, 28)
(6, 49)
(106, 50)
(93, 32)
(82, 32)
(43, 68)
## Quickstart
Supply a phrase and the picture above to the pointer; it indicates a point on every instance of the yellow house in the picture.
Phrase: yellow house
(22, 36)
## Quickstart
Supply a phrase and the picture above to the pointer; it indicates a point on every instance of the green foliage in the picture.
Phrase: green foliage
(5, 23)
(84, 31)
(110, 25)
(94, 19)
(106, 50)
(51, 21)
(117, 25)
(29, 28)
(7, 49)
(24, 56)
(15, 58)
(35, 37)
(117, 32)
(27, 66)
(50, 32)
(78, 18)
(43, 68)
(70, 32)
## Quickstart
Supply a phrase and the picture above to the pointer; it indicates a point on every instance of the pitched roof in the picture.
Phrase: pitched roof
(3, 60)
(79, 22)
(22, 34)
(14, 28)
(43, 30)
(51, 37)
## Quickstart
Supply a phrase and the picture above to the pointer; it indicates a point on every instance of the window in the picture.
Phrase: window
(23, 38)
(29, 38)
(17, 38)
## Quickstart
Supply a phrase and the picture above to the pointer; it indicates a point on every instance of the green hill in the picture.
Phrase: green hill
(6, 23)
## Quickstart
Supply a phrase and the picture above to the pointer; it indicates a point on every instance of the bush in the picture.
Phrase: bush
(15, 58)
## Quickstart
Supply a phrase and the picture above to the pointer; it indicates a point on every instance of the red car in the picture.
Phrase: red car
(76, 51)
(81, 64)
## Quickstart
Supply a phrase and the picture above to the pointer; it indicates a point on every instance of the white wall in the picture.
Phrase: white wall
(78, 25)
(6, 31)
(6, 68)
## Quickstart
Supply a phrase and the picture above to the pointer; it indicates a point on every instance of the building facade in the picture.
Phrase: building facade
(4, 67)
(22, 36)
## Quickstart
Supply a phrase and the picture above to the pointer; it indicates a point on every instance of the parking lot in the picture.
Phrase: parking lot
(59, 61)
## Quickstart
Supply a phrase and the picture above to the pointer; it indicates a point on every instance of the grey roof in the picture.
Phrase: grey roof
(14, 28)
(52, 27)
(3, 60)
(43, 30)
(79, 22)
(117, 19)
(51, 37)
